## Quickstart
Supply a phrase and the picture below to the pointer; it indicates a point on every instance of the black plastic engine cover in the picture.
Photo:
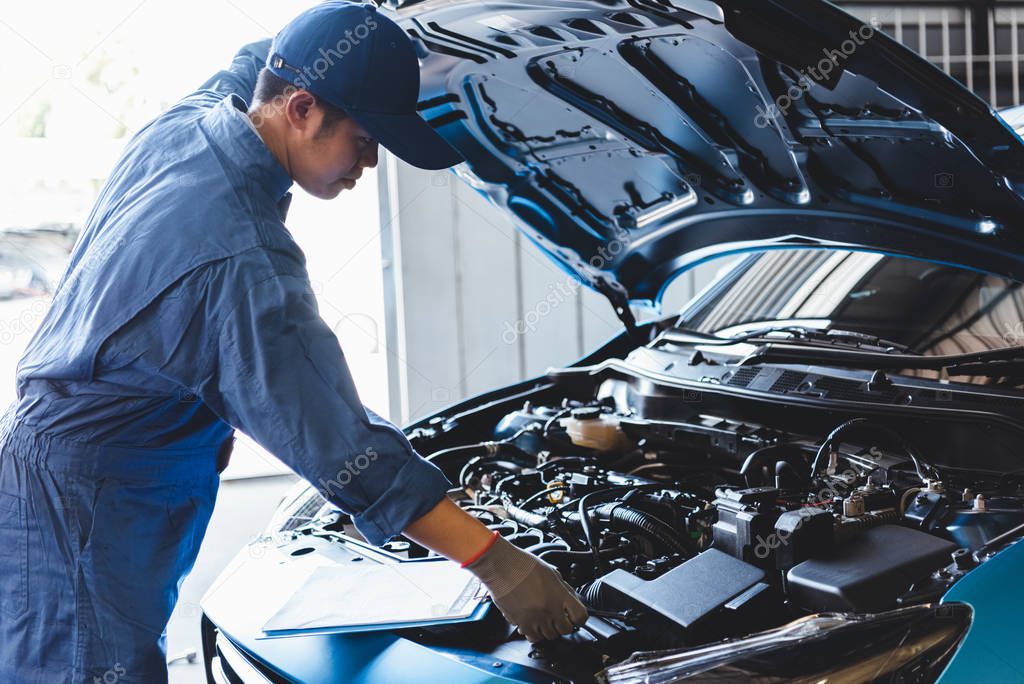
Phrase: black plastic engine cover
(802, 534)
(867, 573)
(709, 581)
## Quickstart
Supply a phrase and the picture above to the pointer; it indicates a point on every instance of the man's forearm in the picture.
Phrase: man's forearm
(529, 592)
(450, 531)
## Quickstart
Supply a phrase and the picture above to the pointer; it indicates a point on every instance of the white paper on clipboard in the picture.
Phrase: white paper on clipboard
(372, 595)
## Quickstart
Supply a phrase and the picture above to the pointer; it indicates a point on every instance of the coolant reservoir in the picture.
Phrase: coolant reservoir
(590, 428)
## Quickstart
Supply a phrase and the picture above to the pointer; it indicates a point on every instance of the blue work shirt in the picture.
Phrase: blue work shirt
(187, 311)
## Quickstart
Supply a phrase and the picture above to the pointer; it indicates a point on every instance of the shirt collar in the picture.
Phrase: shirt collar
(232, 131)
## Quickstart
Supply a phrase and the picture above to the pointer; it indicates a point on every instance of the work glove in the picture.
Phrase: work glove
(529, 592)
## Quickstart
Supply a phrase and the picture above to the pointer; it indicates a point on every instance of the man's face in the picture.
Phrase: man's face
(326, 161)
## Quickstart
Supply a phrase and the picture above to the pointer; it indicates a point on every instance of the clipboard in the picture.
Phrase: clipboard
(369, 595)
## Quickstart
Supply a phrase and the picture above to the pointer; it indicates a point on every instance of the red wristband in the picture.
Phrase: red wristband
(481, 552)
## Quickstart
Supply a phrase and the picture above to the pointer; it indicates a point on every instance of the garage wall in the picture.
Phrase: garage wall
(977, 43)
(470, 303)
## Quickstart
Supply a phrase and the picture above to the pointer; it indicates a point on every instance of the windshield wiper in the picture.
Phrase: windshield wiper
(831, 338)
(851, 349)
(1000, 368)
(988, 362)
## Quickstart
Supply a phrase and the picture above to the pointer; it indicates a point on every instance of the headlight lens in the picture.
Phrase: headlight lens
(908, 644)
(301, 504)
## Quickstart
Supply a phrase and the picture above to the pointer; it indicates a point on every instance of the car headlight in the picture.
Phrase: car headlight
(907, 644)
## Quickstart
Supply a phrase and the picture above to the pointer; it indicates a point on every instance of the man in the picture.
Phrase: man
(186, 311)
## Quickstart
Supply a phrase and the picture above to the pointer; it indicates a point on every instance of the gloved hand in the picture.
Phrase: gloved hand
(529, 592)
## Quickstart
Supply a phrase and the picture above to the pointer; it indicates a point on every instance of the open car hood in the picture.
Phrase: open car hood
(632, 139)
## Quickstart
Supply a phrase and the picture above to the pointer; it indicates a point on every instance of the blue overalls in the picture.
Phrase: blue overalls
(185, 312)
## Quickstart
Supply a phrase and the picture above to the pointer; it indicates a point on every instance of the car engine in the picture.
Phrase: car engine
(659, 523)
(696, 527)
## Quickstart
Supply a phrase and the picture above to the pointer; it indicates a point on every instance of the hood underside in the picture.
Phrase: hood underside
(633, 139)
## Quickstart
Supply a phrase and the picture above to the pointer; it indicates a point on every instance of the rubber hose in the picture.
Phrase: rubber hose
(750, 470)
(525, 517)
(641, 522)
(592, 595)
(647, 524)
(538, 549)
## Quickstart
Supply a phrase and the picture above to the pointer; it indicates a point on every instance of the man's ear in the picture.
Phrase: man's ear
(300, 111)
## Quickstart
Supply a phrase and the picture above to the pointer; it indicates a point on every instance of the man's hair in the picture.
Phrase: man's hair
(270, 86)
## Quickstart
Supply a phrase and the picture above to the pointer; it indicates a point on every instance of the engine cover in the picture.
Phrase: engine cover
(688, 594)
(867, 573)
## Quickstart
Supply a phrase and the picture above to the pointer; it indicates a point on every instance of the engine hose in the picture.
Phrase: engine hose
(505, 527)
(525, 517)
(592, 594)
(526, 538)
(489, 447)
(565, 554)
(500, 460)
(597, 602)
(438, 457)
(646, 524)
(638, 521)
(538, 549)
(771, 456)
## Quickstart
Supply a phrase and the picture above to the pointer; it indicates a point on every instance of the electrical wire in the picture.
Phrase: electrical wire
(831, 443)
(484, 460)
(551, 421)
(563, 460)
(490, 446)
(587, 534)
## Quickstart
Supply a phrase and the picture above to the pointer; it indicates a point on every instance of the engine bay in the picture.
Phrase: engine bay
(681, 521)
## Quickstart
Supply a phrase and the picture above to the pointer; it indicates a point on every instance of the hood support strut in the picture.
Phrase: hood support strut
(620, 305)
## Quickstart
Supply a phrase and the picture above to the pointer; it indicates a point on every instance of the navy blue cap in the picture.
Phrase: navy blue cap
(362, 62)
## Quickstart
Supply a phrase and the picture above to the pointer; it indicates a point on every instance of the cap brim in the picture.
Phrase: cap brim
(410, 138)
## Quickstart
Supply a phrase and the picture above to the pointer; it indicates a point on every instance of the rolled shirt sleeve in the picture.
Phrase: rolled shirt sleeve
(282, 379)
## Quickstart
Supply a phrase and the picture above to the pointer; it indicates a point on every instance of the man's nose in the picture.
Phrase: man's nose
(370, 157)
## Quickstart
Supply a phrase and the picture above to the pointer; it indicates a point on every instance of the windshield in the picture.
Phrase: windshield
(931, 308)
